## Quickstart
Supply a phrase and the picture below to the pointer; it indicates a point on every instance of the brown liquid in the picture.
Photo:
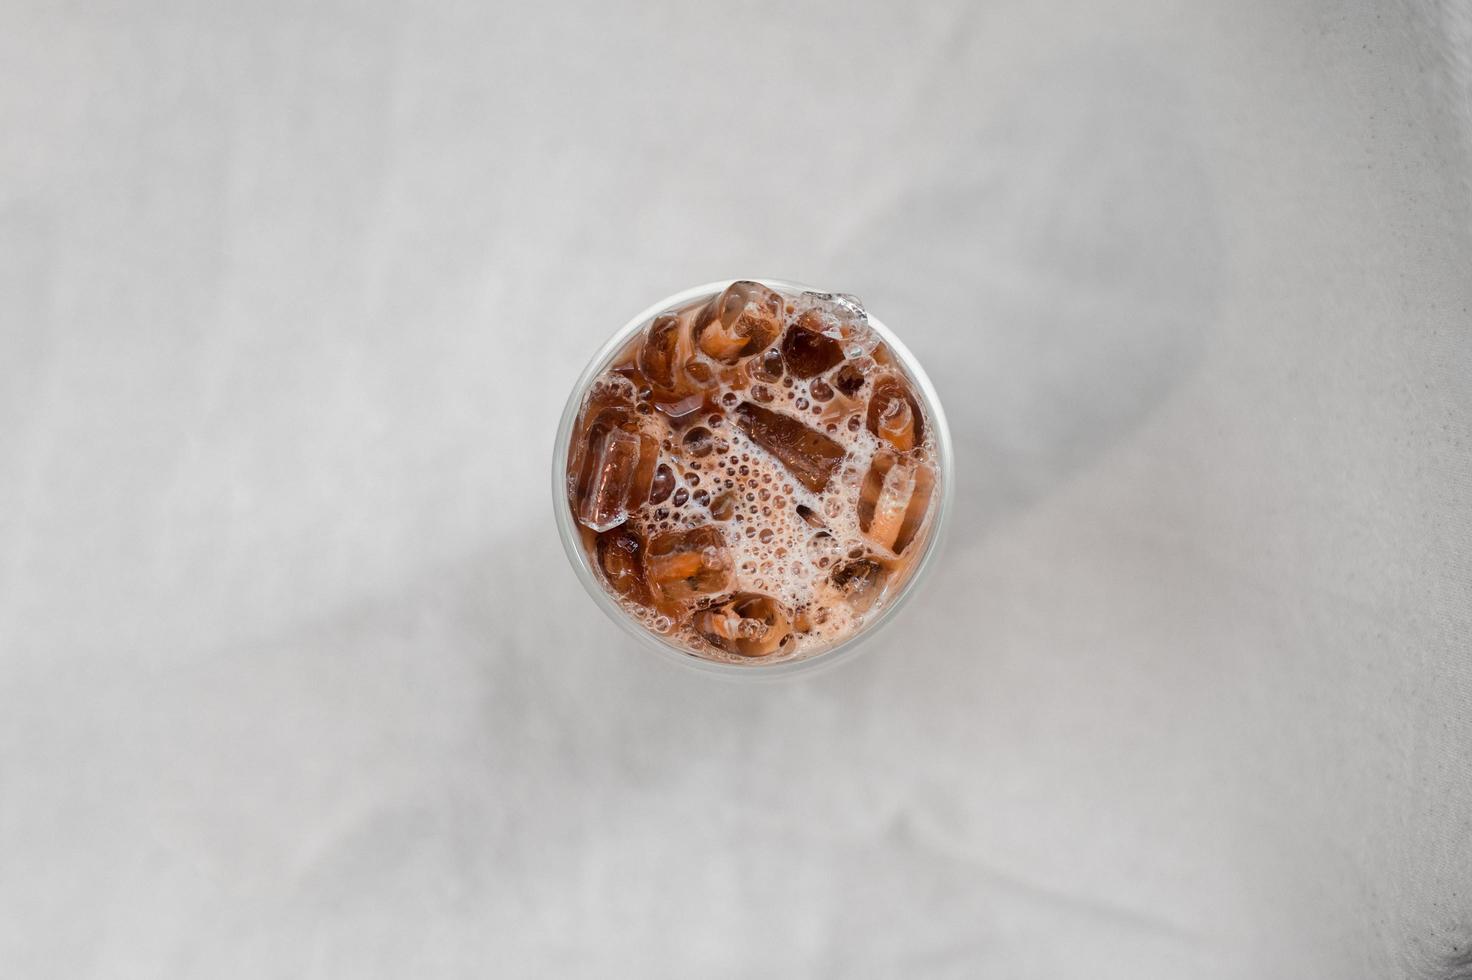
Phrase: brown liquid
(754, 475)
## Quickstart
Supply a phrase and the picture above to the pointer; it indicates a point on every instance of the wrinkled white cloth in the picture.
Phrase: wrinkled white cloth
(295, 680)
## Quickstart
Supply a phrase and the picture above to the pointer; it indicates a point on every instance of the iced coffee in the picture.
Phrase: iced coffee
(754, 476)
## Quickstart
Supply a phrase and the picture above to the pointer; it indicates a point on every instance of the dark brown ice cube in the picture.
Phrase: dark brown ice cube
(894, 500)
(838, 316)
(848, 379)
(681, 566)
(808, 454)
(749, 624)
(743, 320)
(860, 581)
(621, 560)
(807, 352)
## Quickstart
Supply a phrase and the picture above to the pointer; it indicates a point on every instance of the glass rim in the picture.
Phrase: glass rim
(756, 669)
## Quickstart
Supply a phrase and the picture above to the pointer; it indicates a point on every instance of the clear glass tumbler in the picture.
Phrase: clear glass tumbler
(567, 527)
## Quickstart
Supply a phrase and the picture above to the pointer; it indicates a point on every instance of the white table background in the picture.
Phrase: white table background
(295, 680)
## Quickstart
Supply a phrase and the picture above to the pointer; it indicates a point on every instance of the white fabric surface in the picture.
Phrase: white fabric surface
(294, 679)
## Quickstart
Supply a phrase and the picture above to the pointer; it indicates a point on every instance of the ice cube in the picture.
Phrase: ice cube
(749, 624)
(894, 500)
(839, 307)
(683, 565)
(860, 581)
(665, 361)
(643, 484)
(613, 458)
(839, 316)
(621, 560)
(607, 481)
(659, 354)
(848, 379)
(894, 414)
(807, 352)
(679, 409)
(808, 454)
(743, 320)
(611, 390)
